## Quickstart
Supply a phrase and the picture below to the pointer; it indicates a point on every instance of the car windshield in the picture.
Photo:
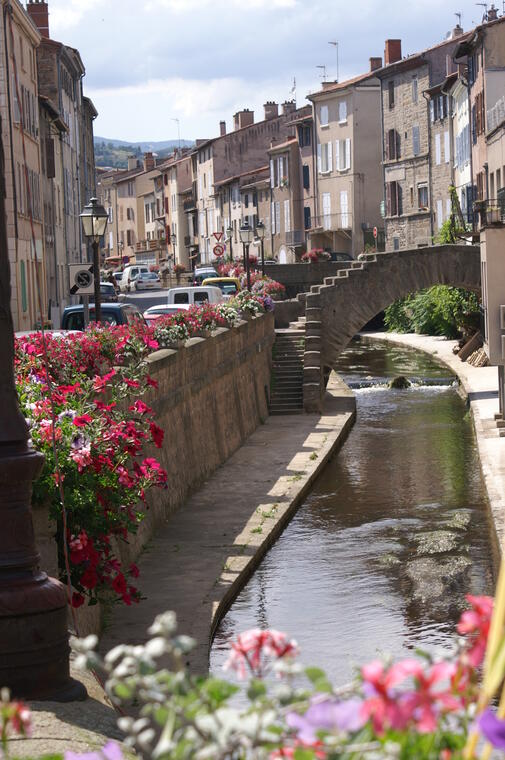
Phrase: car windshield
(148, 276)
(75, 320)
(228, 288)
(107, 289)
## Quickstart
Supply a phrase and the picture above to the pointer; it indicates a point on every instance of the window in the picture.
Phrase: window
(391, 94)
(447, 147)
(480, 117)
(131, 189)
(324, 158)
(129, 237)
(392, 145)
(342, 111)
(393, 199)
(498, 179)
(416, 141)
(129, 214)
(440, 214)
(422, 196)
(306, 217)
(110, 214)
(414, 88)
(148, 216)
(272, 217)
(304, 136)
(343, 154)
(344, 208)
(246, 200)
(396, 244)
(278, 216)
(287, 216)
(323, 116)
(438, 151)
(326, 211)
(306, 177)
(491, 185)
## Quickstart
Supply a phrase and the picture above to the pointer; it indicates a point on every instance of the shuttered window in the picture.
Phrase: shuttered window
(416, 141)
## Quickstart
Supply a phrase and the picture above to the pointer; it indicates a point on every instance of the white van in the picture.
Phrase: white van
(126, 283)
(196, 295)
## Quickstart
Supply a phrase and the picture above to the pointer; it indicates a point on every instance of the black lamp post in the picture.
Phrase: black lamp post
(34, 651)
(246, 236)
(173, 240)
(229, 233)
(260, 234)
(94, 223)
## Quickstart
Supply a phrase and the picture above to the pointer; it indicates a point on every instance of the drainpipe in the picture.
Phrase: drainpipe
(432, 226)
(383, 168)
(470, 137)
(315, 192)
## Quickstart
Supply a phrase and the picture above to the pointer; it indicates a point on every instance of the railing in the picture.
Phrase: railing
(189, 204)
(295, 238)
(149, 245)
(492, 210)
(496, 114)
(341, 221)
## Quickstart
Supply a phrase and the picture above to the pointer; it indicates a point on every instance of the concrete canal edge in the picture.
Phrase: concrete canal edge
(479, 387)
(329, 433)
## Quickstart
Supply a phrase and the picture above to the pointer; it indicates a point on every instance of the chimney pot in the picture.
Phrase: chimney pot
(392, 51)
(39, 14)
(149, 162)
(271, 110)
(132, 162)
(492, 14)
(375, 63)
(222, 128)
(288, 107)
(243, 118)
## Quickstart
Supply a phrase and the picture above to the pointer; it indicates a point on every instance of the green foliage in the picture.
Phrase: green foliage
(441, 310)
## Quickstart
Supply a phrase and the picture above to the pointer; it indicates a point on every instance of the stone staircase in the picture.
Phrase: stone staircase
(286, 396)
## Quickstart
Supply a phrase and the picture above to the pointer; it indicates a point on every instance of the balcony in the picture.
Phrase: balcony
(189, 204)
(295, 238)
(332, 222)
(149, 245)
(492, 210)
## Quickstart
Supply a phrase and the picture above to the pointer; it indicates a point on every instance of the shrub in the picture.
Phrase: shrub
(440, 310)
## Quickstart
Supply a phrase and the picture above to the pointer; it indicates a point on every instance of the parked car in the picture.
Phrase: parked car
(153, 313)
(112, 313)
(338, 256)
(194, 295)
(146, 281)
(202, 273)
(107, 292)
(118, 276)
(229, 286)
(126, 284)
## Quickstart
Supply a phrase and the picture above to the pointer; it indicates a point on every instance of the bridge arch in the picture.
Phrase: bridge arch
(339, 308)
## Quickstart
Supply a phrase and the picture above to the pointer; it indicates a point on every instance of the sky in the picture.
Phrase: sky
(152, 62)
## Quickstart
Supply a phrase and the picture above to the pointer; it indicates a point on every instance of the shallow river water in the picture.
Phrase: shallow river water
(394, 533)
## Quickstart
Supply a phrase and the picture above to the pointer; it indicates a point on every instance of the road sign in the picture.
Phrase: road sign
(218, 250)
(81, 279)
(125, 259)
(375, 232)
(218, 236)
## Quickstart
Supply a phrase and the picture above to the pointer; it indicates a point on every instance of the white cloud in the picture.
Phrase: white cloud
(70, 13)
(189, 6)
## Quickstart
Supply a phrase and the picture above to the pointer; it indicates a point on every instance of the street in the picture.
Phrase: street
(144, 299)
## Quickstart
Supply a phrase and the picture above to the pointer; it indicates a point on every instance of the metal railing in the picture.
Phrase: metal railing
(492, 210)
(149, 245)
(333, 222)
(496, 114)
(295, 238)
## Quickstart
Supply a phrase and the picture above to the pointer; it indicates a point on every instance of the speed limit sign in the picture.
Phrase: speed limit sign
(81, 279)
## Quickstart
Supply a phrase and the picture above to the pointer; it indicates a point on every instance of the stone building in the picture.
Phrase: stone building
(411, 123)
(286, 200)
(456, 90)
(20, 113)
(441, 159)
(348, 149)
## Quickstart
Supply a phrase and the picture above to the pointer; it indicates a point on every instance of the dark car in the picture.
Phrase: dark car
(107, 292)
(338, 256)
(112, 314)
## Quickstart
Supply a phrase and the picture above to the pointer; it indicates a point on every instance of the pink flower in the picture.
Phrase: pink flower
(475, 624)
(82, 457)
(83, 420)
(77, 600)
(431, 696)
(253, 648)
(140, 407)
(382, 705)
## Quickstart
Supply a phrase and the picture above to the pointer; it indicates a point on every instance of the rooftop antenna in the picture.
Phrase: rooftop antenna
(335, 45)
(458, 16)
(323, 75)
(293, 89)
(483, 5)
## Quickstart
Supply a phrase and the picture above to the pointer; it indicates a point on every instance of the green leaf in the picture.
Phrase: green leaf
(217, 690)
(256, 689)
(315, 674)
(303, 754)
(122, 691)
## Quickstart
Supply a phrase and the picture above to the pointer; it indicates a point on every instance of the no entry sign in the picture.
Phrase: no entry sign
(218, 249)
(81, 279)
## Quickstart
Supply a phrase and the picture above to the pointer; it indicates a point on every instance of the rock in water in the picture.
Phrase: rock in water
(400, 382)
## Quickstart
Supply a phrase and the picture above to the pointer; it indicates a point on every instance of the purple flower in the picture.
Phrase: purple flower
(111, 751)
(492, 728)
(327, 715)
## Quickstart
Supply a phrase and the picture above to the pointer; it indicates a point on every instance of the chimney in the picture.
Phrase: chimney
(492, 13)
(288, 107)
(132, 162)
(375, 63)
(222, 128)
(243, 119)
(271, 110)
(392, 52)
(149, 162)
(39, 14)
(456, 32)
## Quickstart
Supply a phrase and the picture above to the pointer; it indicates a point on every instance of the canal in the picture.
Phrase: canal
(394, 533)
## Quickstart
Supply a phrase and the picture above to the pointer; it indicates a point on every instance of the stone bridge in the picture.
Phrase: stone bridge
(340, 307)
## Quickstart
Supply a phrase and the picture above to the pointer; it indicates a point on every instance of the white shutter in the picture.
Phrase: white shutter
(278, 216)
(272, 173)
(344, 208)
(438, 151)
(447, 147)
(337, 155)
(440, 219)
(319, 158)
(200, 186)
(287, 217)
(330, 157)
(272, 215)
(432, 111)
(348, 153)
(326, 211)
(448, 207)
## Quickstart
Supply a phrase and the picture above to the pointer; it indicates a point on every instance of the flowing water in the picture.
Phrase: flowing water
(394, 533)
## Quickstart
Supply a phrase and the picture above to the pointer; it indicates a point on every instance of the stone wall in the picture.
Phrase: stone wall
(298, 278)
(212, 394)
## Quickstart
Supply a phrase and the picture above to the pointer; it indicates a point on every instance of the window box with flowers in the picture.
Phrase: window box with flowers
(316, 256)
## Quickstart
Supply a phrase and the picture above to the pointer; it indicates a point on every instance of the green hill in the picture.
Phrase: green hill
(114, 153)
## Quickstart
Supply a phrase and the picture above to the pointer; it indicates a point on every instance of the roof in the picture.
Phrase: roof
(443, 86)
(205, 143)
(336, 86)
(236, 177)
(416, 59)
(281, 146)
(54, 113)
(474, 37)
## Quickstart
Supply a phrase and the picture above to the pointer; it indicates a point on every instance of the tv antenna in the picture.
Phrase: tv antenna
(458, 16)
(335, 45)
(323, 74)
(483, 5)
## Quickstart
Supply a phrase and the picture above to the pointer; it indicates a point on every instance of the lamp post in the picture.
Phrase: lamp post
(173, 240)
(260, 234)
(229, 233)
(94, 223)
(34, 651)
(246, 236)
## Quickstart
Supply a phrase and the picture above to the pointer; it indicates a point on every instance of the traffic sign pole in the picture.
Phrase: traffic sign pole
(85, 308)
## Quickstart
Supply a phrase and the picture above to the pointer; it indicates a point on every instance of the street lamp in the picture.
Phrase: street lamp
(260, 234)
(173, 240)
(94, 223)
(246, 237)
(229, 233)
(34, 659)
